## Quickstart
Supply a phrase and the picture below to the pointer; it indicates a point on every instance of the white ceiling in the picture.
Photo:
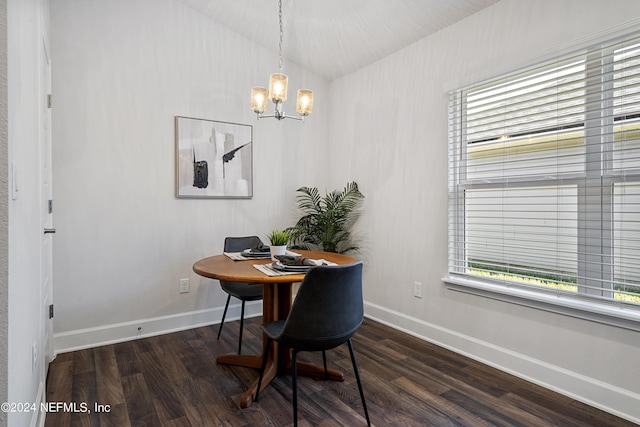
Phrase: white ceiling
(337, 37)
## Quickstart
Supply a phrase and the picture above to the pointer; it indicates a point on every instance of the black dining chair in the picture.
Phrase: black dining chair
(327, 312)
(243, 291)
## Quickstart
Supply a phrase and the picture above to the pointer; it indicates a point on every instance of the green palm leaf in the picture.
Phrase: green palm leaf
(327, 221)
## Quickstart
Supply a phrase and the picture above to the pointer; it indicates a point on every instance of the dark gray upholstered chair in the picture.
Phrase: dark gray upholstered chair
(326, 312)
(243, 291)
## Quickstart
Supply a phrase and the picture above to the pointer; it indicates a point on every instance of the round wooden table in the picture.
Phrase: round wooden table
(276, 303)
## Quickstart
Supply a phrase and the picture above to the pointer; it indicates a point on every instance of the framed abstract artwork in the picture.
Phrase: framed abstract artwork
(213, 159)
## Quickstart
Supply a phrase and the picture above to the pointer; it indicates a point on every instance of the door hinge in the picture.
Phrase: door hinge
(51, 311)
(50, 205)
(49, 100)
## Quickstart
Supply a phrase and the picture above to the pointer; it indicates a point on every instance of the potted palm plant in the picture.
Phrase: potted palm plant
(327, 221)
(279, 240)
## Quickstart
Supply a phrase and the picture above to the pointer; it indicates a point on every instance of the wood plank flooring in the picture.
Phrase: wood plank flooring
(173, 380)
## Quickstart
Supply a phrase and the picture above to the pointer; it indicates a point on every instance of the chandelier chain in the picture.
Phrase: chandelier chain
(281, 33)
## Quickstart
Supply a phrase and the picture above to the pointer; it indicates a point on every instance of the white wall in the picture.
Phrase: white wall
(4, 214)
(122, 69)
(26, 27)
(391, 120)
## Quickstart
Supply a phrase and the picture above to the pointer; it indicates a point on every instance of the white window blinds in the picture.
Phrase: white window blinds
(544, 177)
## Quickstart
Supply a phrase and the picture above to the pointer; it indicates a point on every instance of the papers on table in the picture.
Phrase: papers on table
(238, 256)
(272, 270)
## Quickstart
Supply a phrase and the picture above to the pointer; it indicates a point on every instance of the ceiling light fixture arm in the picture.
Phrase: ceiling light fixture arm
(279, 114)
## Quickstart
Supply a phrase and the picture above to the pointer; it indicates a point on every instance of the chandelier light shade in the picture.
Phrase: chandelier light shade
(259, 99)
(278, 84)
(277, 92)
(304, 102)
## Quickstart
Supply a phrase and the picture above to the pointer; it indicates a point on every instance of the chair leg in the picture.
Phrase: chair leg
(224, 314)
(324, 362)
(241, 328)
(294, 386)
(264, 365)
(355, 370)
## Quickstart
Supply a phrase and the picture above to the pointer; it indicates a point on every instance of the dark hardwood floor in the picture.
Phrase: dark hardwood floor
(173, 380)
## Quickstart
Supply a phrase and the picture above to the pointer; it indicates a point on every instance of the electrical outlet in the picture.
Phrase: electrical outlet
(184, 286)
(417, 289)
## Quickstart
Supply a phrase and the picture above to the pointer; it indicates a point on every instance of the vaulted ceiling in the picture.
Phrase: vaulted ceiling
(337, 37)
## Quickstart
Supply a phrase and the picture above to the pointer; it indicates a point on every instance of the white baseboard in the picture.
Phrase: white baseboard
(119, 332)
(615, 400)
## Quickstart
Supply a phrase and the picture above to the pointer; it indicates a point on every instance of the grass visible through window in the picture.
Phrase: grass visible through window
(544, 280)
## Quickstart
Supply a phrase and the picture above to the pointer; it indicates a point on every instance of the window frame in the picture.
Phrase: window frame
(580, 305)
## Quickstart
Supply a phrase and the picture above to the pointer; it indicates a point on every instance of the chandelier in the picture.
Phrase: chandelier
(277, 91)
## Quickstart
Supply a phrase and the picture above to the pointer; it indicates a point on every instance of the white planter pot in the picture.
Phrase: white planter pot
(277, 250)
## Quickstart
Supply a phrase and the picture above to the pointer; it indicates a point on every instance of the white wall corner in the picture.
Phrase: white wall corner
(607, 397)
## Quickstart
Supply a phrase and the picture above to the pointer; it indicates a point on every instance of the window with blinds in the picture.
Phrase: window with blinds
(544, 177)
